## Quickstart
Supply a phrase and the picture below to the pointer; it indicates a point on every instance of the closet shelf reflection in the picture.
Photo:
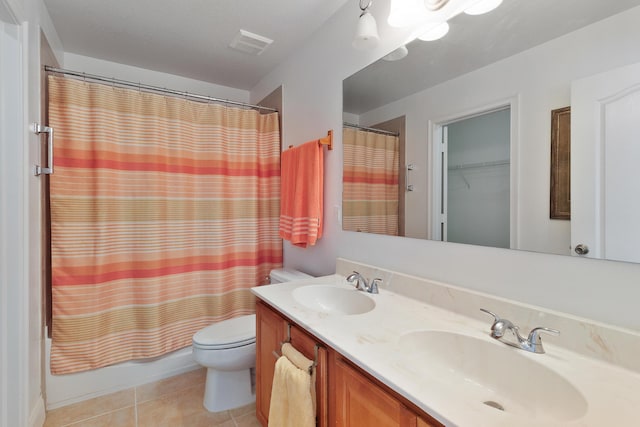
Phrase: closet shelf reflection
(480, 164)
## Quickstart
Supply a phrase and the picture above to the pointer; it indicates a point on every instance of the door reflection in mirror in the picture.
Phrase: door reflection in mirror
(474, 168)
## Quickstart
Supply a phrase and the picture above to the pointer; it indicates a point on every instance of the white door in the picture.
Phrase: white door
(605, 162)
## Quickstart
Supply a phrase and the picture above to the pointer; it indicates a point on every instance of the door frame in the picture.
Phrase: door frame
(435, 135)
(14, 254)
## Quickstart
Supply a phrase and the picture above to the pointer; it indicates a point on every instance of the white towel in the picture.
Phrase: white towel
(292, 392)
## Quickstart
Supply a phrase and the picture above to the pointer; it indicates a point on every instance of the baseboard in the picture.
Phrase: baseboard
(38, 414)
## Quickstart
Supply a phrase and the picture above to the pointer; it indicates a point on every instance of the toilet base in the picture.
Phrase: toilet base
(227, 390)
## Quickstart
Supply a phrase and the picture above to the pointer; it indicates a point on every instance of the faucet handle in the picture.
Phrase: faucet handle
(534, 335)
(495, 316)
(373, 287)
(534, 342)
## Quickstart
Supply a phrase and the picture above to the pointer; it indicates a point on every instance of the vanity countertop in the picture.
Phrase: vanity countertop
(608, 394)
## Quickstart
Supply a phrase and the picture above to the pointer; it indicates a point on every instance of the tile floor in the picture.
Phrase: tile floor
(172, 402)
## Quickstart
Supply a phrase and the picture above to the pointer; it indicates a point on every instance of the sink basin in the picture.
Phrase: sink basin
(492, 374)
(333, 300)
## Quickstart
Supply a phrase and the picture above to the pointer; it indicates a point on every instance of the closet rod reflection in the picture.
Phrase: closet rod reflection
(382, 131)
(480, 164)
(150, 88)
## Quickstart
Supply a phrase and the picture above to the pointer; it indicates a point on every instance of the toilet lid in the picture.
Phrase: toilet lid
(230, 333)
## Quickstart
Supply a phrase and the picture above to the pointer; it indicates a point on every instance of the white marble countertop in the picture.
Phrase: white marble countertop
(372, 342)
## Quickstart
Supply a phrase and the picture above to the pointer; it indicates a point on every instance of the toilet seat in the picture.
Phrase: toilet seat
(232, 333)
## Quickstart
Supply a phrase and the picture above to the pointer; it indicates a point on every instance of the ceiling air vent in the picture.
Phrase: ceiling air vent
(250, 43)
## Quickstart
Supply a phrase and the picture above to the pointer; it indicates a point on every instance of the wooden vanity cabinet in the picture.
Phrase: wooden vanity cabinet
(430, 422)
(271, 331)
(346, 396)
(357, 401)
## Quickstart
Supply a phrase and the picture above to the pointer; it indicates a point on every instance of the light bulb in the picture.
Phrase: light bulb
(403, 13)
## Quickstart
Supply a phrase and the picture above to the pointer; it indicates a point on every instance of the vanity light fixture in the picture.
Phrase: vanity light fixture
(434, 32)
(433, 5)
(403, 13)
(483, 6)
(367, 32)
(397, 54)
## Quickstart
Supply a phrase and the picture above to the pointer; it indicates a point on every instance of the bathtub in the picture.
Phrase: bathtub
(64, 390)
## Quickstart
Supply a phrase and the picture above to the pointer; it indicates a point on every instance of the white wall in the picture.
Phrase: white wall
(12, 346)
(21, 262)
(312, 89)
(35, 22)
(103, 68)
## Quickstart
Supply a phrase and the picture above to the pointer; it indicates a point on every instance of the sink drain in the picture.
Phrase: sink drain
(494, 405)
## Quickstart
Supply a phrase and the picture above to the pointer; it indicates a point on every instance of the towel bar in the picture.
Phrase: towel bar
(316, 347)
(325, 140)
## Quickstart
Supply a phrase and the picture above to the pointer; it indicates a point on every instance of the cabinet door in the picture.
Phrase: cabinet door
(270, 332)
(422, 422)
(306, 345)
(360, 402)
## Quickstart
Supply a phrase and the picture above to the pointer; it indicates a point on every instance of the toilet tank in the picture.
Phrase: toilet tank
(286, 275)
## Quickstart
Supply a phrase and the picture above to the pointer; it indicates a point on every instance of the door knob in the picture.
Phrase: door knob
(581, 249)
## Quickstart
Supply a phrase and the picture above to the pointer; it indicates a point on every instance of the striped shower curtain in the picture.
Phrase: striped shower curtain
(164, 212)
(370, 182)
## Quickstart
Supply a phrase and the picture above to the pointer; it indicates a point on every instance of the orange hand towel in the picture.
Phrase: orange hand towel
(301, 199)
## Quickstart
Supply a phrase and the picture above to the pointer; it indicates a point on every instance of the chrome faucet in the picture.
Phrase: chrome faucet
(532, 343)
(362, 284)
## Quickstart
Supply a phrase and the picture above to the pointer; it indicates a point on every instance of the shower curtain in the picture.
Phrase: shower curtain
(164, 212)
(370, 182)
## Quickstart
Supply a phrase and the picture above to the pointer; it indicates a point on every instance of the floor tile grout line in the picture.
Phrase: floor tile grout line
(138, 400)
(71, 424)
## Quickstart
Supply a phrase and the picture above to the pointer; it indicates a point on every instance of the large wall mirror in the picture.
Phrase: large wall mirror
(453, 141)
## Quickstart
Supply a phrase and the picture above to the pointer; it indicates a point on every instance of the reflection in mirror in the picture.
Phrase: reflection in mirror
(474, 192)
(526, 56)
(371, 191)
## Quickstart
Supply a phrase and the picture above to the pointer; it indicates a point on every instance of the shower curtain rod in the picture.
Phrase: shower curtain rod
(154, 88)
(382, 131)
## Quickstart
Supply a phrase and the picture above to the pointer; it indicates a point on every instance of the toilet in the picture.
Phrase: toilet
(228, 350)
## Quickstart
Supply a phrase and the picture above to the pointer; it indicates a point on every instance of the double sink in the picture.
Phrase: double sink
(447, 363)
(501, 377)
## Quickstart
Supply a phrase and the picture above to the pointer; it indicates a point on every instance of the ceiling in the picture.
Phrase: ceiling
(473, 42)
(189, 38)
